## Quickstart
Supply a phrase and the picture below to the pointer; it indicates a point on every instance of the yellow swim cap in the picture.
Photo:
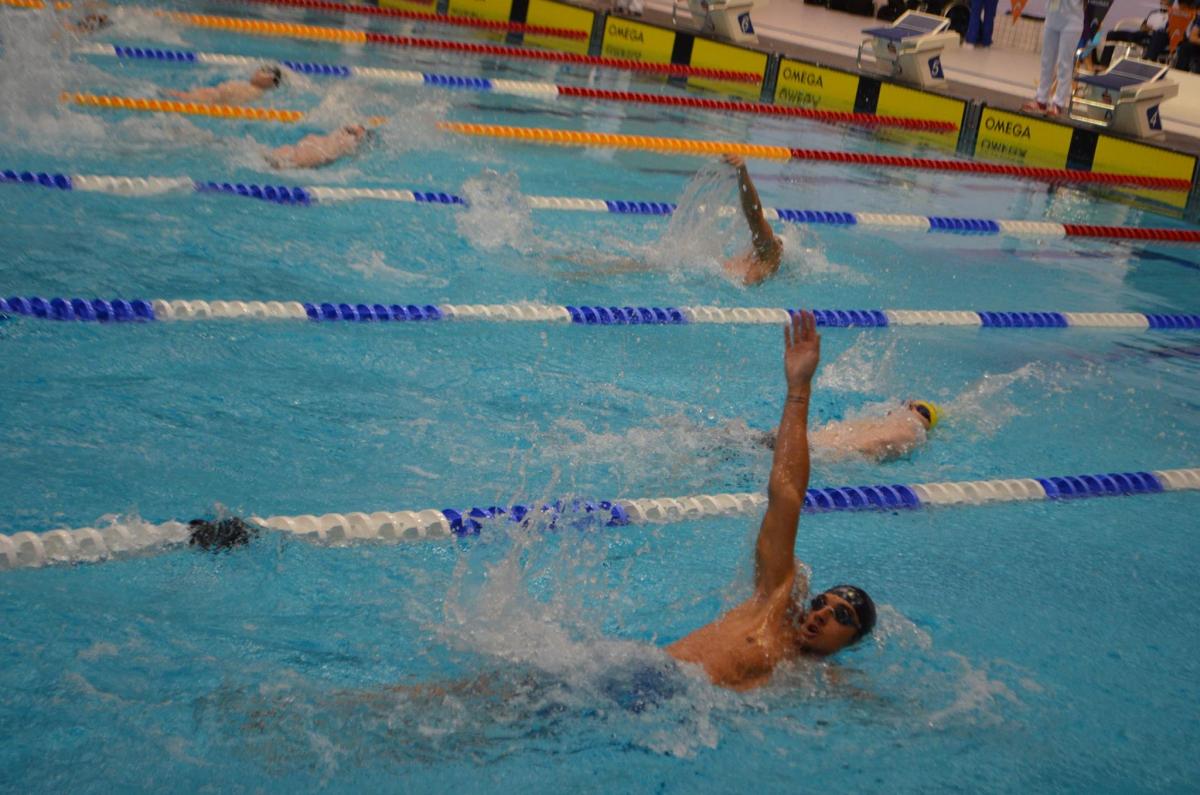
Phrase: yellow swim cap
(930, 413)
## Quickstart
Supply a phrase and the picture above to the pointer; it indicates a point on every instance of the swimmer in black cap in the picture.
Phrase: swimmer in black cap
(741, 649)
(89, 23)
(234, 92)
(222, 534)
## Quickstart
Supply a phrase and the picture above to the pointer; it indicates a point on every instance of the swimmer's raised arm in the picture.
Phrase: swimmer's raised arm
(774, 553)
(767, 248)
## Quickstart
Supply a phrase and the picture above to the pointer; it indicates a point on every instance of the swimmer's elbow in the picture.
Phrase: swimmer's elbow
(782, 490)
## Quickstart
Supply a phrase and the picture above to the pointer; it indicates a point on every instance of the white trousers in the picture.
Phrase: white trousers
(1060, 39)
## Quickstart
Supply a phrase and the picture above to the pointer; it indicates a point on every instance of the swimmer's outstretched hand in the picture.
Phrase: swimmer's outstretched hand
(801, 350)
(734, 160)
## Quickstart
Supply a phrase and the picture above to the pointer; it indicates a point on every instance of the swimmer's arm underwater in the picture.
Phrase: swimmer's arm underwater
(774, 552)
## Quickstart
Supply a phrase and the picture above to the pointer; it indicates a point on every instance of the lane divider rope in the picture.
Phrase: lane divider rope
(317, 32)
(425, 16)
(376, 11)
(150, 105)
(308, 195)
(515, 87)
(120, 540)
(148, 310)
(257, 27)
(542, 135)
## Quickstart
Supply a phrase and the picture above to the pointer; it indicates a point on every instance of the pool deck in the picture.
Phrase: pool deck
(1001, 76)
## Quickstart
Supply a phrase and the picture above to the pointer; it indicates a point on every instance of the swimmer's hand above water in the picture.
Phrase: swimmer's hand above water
(775, 561)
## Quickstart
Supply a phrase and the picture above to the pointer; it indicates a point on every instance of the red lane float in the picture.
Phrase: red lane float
(975, 167)
(675, 70)
(422, 16)
(1132, 233)
(756, 107)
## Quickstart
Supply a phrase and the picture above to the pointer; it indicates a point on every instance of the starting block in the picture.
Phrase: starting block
(727, 19)
(911, 48)
(1125, 98)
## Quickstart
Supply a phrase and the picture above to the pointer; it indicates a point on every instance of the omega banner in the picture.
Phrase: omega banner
(624, 38)
(1010, 138)
(801, 85)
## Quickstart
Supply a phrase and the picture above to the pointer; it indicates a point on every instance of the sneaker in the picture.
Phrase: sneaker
(1054, 110)
(1033, 106)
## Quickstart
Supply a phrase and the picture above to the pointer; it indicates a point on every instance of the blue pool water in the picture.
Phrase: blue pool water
(1020, 647)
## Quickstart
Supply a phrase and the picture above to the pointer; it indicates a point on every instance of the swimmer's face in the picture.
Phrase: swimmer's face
(266, 78)
(922, 414)
(830, 625)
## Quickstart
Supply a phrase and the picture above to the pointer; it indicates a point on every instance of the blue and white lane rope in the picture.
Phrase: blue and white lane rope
(92, 544)
(144, 311)
(403, 77)
(307, 195)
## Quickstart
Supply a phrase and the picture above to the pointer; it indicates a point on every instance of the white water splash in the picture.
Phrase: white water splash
(497, 214)
(704, 229)
(805, 259)
(987, 405)
(35, 69)
(137, 24)
(543, 610)
(373, 264)
(976, 696)
(866, 367)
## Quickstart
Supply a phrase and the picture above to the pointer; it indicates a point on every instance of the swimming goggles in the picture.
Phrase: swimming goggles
(923, 411)
(841, 613)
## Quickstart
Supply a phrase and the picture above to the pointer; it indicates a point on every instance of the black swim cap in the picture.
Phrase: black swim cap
(221, 534)
(862, 604)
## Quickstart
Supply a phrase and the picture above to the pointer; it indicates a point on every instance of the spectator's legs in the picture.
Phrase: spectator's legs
(989, 19)
(973, 25)
(1068, 38)
(1157, 44)
(1050, 38)
(1185, 56)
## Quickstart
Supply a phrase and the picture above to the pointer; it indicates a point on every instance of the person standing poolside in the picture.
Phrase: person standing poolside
(761, 261)
(742, 648)
(1060, 35)
(313, 151)
(983, 19)
(234, 91)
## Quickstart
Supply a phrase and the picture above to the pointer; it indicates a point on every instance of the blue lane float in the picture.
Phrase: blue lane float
(154, 54)
(136, 537)
(316, 194)
(365, 313)
(604, 513)
(40, 178)
(143, 310)
(1113, 484)
(280, 194)
(66, 309)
